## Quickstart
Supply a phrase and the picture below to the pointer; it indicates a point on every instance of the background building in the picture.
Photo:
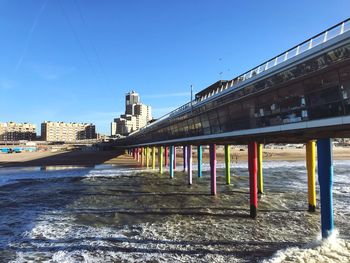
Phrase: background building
(136, 116)
(12, 131)
(67, 132)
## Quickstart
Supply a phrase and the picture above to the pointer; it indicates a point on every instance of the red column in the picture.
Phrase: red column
(253, 178)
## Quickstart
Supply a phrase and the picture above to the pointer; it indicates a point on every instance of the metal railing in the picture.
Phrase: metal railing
(308, 44)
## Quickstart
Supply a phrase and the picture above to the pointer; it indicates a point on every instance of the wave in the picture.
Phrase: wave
(332, 249)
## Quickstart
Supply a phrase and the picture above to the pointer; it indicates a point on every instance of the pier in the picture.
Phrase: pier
(299, 96)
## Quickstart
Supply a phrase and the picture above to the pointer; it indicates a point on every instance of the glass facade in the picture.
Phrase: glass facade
(315, 89)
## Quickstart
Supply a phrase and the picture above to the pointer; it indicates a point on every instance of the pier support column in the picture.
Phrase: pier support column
(212, 150)
(166, 155)
(325, 179)
(189, 164)
(184, 155)
(199, 159)
(253, 166)
(172, 159)
(153, 158)
(147, 157)
(160, 159)
(227, 164)
(311, 168)
(138, 154)
(260, 169)
(142, 159)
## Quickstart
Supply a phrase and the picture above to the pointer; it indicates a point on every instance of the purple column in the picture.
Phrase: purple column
(166, 155)
(189, 164)
(212, 150)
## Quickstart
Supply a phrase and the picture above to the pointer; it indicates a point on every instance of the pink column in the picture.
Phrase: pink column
(253, 177)
(212, 150)
(184, 157)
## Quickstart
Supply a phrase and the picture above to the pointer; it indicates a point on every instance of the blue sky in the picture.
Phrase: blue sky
(74, 60)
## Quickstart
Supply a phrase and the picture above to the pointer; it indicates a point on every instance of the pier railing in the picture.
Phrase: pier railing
(308, 44)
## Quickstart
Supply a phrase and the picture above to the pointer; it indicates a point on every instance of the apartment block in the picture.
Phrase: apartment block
(12, 131)
(67, 131)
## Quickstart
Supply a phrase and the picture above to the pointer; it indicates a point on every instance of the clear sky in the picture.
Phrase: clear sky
(74, 60)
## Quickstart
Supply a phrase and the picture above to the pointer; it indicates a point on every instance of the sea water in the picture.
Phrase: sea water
(112, 214)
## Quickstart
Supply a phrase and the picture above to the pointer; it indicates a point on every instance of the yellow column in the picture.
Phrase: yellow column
(311, 167)
(260, 170)
(153, 158)
(147, 157)
(160, 159)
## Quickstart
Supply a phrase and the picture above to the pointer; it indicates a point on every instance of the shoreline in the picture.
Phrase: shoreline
(91, 158)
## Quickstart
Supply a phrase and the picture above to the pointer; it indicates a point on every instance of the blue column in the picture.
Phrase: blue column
(184, 155)
(172, 159)
(325, 179)
(199, 160)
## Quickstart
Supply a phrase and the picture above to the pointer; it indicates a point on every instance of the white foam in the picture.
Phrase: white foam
(332, 249)
(11, 177)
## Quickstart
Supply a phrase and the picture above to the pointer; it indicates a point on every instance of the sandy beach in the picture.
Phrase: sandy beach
(90, 158)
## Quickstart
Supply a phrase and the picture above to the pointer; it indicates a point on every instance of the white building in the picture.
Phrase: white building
(136, 116)
(13, 131)
(67, 131)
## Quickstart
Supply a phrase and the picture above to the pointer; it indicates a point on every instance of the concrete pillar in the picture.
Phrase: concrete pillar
(252, 166)
(199, 160)
(260, 169)
(189, 164)
(174, 157)
(325, 179)
(227, 164)
(212, 150)
(311, 170)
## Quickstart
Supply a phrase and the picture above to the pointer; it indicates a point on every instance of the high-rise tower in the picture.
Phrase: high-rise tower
(136, 116)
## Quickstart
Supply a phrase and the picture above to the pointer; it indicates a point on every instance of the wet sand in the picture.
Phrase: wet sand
(84, 158)
(90, 158)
